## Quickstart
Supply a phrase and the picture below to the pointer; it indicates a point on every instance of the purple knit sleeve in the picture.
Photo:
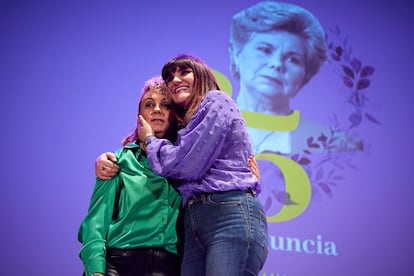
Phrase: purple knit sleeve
(198, 145)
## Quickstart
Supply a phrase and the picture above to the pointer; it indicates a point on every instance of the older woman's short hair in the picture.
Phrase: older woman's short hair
(272, 16)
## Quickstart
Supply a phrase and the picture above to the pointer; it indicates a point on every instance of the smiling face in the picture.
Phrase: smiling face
(272, 64)
(156, 108)
(180, 84)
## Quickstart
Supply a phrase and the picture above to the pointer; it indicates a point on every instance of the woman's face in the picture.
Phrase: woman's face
(180, 85)
(156, 109)
(272, 64)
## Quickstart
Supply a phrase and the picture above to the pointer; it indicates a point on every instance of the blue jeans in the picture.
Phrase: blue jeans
(225, 234)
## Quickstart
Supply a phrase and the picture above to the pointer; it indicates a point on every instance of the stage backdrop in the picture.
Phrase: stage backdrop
(71, 73)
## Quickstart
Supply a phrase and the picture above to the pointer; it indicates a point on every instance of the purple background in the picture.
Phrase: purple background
(70, 74)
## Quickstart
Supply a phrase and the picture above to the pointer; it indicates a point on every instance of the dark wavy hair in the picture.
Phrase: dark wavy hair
(204, 81)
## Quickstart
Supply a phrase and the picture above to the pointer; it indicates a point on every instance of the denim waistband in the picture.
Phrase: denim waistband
(203, 196)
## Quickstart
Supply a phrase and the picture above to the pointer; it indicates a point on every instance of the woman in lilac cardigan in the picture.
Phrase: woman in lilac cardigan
(225, 225)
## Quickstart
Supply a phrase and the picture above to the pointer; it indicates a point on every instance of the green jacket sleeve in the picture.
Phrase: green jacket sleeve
(94, 228)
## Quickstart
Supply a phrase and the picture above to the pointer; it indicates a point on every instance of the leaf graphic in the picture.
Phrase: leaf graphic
(304, 161)
(311, 144)
(372, 119)
(322, 138)
(335, 57)
(325, 188)
(267, 204)
(363, 83)
(319, 173)
(338, 165)
(331, 172)
(348, 81)
(348, 71)
(284, 198)
(367, 71)
(339, 51)
(356, 64)
(295, 157)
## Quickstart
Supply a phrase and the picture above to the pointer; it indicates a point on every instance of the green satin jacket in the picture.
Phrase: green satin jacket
(136, 208)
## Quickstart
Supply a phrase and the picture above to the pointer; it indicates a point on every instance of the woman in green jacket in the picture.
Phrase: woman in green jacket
(132, 226)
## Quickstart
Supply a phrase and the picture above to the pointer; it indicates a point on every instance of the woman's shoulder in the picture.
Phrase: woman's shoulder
(218, 94)
(221, 103)
(219, 97)
(127, 151)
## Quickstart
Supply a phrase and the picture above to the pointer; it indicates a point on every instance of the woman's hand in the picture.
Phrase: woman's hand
(105, 166)
(144, 130)
(254, 167)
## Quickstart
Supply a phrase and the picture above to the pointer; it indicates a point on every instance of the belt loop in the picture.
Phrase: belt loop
(203, 198)
(252, 191)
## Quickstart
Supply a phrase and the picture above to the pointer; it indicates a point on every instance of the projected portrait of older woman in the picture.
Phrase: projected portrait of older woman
(275, 49)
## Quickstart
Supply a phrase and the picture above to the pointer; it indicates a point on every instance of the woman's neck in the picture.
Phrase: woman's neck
(259, 103)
